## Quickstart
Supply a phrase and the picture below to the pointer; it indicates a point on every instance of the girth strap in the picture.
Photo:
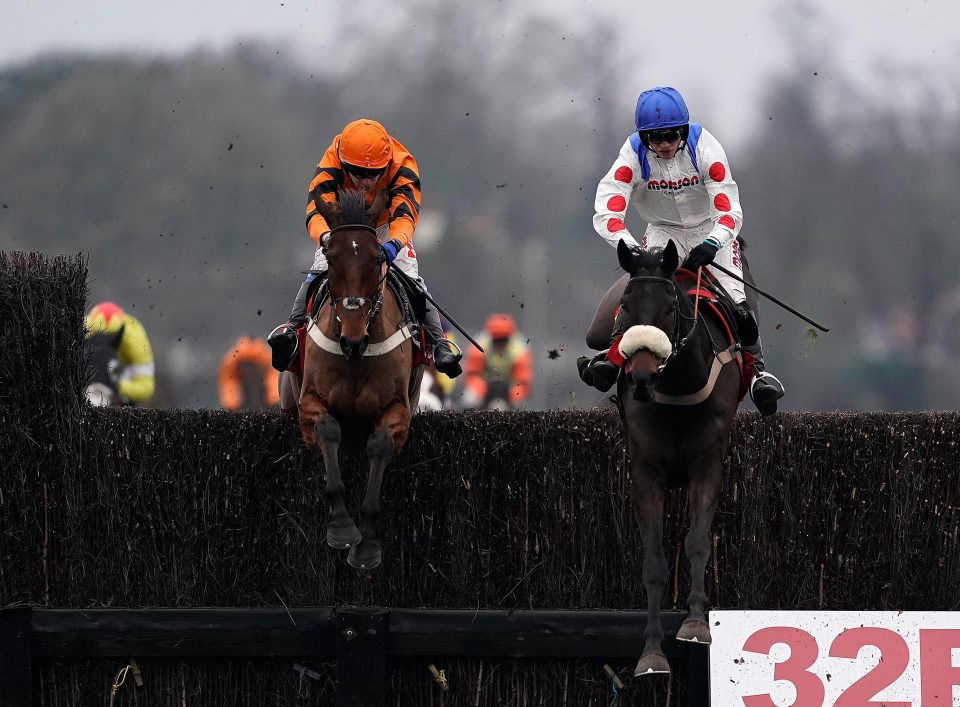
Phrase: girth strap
(719, 361)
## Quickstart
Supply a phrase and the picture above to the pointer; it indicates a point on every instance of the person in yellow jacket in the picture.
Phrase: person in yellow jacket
(119, 344)
(246, 379)
(501, 377)
(365, 157)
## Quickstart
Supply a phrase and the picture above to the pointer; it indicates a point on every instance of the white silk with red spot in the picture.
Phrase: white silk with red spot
(676, 194)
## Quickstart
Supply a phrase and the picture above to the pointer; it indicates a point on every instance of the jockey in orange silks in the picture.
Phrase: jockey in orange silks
(247, 357)
(365, 157)
(504, 373)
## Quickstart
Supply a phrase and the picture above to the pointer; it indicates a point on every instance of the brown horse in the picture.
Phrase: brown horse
(678, 402)
(359, 377)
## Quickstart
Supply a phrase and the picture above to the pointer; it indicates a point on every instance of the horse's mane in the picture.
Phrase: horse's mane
(352, 209)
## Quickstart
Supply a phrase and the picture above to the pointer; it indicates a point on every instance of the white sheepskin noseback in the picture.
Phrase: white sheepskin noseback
(646, 337)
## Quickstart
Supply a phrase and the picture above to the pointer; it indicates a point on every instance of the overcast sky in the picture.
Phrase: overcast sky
(719, 53)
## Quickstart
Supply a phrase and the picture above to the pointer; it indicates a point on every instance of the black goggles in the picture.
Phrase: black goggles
(362, 173)
(665, 135)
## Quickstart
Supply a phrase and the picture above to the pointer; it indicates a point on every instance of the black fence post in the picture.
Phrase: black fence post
(698, 677)
(361, 657)
(15, 656)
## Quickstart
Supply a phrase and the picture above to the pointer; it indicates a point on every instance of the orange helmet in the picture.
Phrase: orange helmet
(104, 318)
(364, 143)
(501, 326)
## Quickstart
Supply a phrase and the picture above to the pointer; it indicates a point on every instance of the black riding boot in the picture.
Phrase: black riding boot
(599, 371)
(283, 340)
(445, 359)
(765, 389)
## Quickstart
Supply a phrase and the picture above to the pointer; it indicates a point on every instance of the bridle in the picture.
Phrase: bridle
(676, 343)
(355, 302)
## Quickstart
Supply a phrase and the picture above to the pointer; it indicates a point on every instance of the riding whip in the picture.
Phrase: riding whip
(415, 286)
(770, 297)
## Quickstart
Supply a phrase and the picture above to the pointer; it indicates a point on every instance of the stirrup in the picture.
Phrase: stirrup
(599, 372)
(272, 338)
(770, 392)
(450, 368)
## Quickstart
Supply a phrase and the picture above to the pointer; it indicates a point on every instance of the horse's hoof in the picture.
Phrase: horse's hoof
(343, 537)
(695, 631)
(365, 556)
(652, 663)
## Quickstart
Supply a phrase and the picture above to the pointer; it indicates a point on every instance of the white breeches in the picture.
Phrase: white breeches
(686, 239)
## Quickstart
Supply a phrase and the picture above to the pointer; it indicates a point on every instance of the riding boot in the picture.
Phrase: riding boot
(445, 359)
(599, 372)
(283, 340)
(765, 389)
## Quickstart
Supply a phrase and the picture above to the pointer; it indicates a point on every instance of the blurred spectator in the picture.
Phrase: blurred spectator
(121, 356)
(890, 367)
(501, 377)
(247, 380)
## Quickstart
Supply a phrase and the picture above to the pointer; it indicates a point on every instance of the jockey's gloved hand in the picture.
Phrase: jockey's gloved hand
(391, 248)
(702, 255)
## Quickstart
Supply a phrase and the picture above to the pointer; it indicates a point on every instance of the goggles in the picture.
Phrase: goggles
(665, 135)
(361, 172)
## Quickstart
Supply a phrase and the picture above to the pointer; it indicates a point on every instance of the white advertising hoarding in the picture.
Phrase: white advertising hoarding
(835, 658)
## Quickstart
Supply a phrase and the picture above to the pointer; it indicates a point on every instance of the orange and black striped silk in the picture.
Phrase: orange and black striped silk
(401, 179)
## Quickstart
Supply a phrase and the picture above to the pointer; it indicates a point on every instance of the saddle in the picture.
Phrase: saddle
(412, 304)
(716, 303)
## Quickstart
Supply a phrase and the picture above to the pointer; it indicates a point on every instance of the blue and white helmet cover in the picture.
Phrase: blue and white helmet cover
(661, 107)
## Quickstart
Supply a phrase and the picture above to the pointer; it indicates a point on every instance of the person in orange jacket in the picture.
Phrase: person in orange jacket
(246, 379)
(365, 157)
(501, 377)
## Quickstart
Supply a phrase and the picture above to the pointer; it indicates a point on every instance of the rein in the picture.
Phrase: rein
(354, 302)
(720, 357)
(676, 343)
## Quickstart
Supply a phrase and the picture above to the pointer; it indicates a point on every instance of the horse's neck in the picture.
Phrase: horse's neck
(690, 368)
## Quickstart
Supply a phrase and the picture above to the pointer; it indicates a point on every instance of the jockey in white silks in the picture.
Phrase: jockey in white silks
(677, 177)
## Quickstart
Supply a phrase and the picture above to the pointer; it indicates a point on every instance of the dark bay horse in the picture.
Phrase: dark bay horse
(677, 426)
(102, 363)
(359, 379)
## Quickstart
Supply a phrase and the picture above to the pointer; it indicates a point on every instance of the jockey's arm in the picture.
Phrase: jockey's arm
(613, 197)
(522, 375)
(404, 206)
(474, 367)
(326, 180)
(136, 384)
(725, 212)
(231, 393)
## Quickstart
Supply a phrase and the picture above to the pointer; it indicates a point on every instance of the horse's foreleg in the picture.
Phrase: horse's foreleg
(342, 533)
(702, 500)
(648, 505)
(388, 437)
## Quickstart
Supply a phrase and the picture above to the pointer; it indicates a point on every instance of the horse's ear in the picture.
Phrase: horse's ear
(671, 258)
(330, 212)
(117, 338)
(625, 256)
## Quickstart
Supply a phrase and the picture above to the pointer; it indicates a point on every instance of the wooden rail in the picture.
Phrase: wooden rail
(361, 639)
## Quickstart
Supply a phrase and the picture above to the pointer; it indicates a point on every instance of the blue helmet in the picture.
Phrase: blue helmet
(661, 107)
